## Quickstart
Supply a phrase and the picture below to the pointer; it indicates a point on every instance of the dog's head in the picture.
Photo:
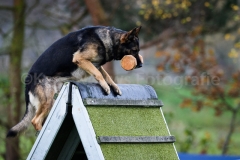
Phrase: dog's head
(129, 45)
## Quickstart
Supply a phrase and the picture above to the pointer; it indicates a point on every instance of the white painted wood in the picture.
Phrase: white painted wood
(168, 130)
(84, 127)
(51, 127)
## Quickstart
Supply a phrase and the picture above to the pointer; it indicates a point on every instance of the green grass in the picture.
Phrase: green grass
(208, 131)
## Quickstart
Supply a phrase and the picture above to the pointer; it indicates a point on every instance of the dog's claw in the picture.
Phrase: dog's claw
(117, 90)
(107, 90)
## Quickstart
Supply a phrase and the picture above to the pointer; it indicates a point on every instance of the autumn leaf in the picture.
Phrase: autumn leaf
(237, 45)
(233, 53)
(234, 92)
(160, 67)
(199, 105)
(211, 51)
(227, 36)
(177, 56)
(218, 111)
(236, 76)
(186, 103)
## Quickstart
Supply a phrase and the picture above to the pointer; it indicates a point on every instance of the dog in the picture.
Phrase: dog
(74, 57)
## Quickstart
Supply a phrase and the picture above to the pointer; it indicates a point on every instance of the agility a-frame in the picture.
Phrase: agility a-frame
(84, 123)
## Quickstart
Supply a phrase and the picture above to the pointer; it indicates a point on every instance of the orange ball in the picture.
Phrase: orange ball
(128, 62)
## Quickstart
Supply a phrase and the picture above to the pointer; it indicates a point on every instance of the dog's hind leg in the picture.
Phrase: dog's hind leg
(45, 95)
(41, 115)
(109, 80)
(35, 121)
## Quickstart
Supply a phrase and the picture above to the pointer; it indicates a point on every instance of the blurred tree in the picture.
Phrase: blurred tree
(15, 51)
(34, 16)
(182, 50)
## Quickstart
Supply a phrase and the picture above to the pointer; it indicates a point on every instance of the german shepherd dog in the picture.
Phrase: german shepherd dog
(74, 57)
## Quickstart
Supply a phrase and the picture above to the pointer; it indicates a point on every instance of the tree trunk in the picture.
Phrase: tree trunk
(16, 50)
(99, 18)
(97, 13)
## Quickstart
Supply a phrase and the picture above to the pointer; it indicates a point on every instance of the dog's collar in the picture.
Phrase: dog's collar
(114, 52)
(107, 43)
(109, 55)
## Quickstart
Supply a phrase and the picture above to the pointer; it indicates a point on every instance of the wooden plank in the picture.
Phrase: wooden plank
(120, 102)
(51, 127)
(85, 128)
(136, 139)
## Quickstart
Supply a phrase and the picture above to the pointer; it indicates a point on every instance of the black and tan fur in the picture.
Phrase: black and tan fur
(74, 57)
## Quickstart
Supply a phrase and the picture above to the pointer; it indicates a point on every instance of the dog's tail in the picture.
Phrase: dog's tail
(24, 123)
(26, 120)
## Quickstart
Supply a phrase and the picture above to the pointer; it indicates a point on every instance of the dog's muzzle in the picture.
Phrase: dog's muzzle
(139, 66)
(139, 61)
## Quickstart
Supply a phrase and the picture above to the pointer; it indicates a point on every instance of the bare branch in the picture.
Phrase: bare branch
(6, 33)
(41, 26)
(28, 12)
(163, 36)
(230, 132)
(229, 107)
(79, 18)
(4, 54)
(9, 8)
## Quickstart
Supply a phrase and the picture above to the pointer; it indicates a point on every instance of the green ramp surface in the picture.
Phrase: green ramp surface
(131, 121)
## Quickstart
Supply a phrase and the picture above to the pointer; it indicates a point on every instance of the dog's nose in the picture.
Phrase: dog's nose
(139, 65)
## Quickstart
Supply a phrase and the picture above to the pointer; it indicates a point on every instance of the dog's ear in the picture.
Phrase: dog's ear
(129, 35)
(137, 30)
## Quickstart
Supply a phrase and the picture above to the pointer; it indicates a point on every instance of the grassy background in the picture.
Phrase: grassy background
(196, 132)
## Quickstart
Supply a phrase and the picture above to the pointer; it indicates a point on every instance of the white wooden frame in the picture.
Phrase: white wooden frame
(54, 121)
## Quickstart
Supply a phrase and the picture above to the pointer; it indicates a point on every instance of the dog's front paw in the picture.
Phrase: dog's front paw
(105, 87)
(116, 89)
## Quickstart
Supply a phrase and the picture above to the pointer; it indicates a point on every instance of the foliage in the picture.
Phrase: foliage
(4, 99)
(195, 131)
(186, 15)
(186, 52)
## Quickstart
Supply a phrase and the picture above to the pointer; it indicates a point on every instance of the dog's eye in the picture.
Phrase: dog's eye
(135, 49)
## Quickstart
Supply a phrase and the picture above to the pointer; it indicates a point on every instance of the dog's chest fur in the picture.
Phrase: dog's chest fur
(79, 74)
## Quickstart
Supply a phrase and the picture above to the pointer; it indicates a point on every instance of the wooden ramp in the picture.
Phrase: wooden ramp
(84, 123)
